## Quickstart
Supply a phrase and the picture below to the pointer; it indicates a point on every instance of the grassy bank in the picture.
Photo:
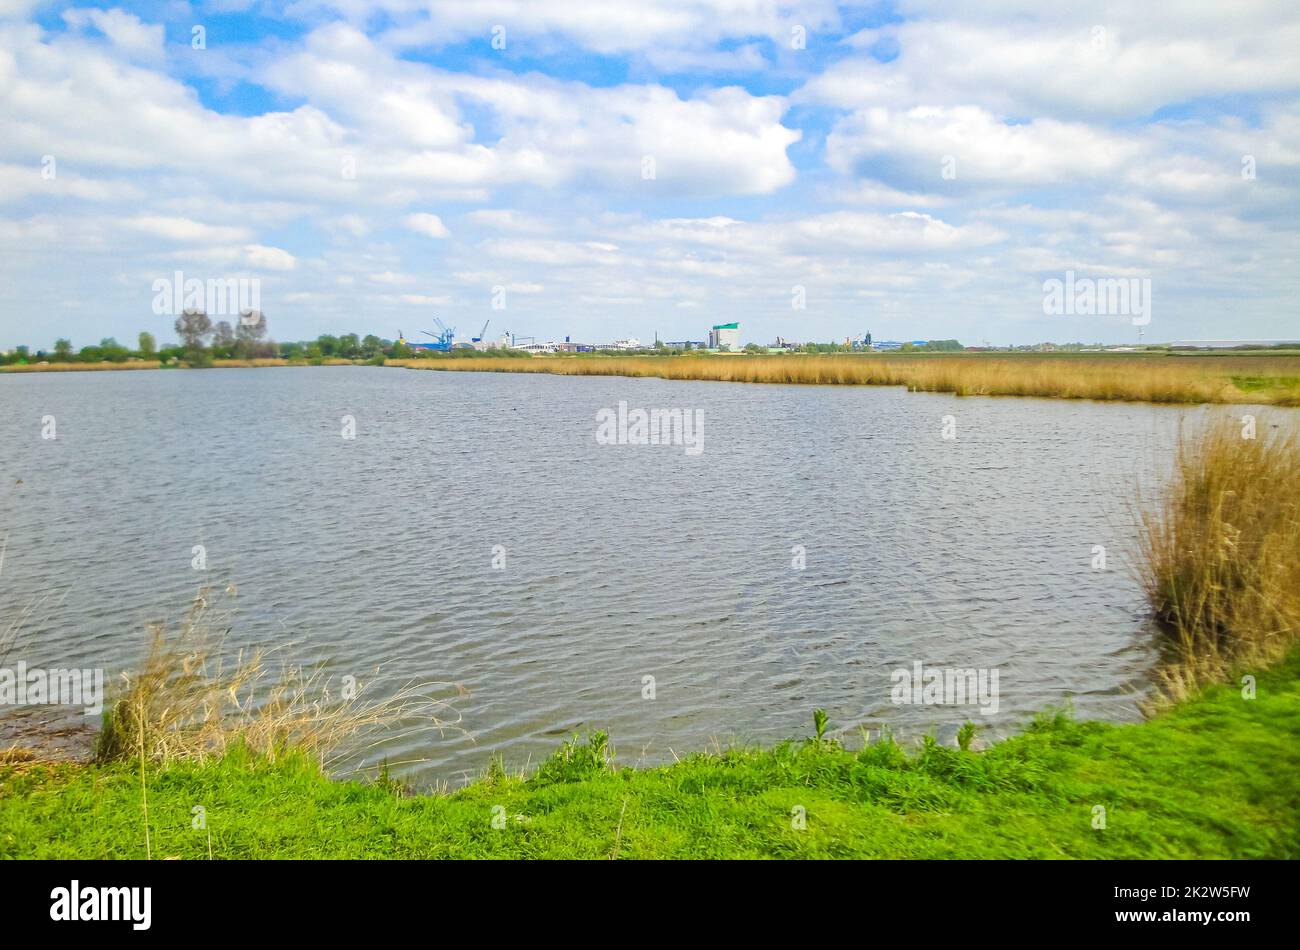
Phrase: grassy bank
(1214, 777)
(1132, 377)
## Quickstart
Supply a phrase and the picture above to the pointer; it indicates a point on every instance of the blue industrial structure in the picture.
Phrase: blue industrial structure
(446, 337)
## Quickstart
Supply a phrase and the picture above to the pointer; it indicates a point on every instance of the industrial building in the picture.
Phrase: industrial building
(724, 334)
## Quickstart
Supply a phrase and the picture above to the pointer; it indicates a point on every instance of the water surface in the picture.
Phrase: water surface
(621, 562)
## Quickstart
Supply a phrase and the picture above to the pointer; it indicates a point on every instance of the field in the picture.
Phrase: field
(1132, 377)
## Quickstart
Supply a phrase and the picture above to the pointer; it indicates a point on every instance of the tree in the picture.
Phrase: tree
(147, 345)
(110, 349)
(223, 335)
(194, 327)
(62, 351)
(250, 333)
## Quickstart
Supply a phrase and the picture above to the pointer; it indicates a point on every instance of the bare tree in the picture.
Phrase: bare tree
(250, 333)
(194, 327)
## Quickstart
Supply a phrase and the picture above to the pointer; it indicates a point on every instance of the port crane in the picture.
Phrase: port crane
(482, 334)
(446, 336)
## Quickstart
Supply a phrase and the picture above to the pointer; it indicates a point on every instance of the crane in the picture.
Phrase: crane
(446, 338)
(482, 334)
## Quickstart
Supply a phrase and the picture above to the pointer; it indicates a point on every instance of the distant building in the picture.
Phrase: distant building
(724, 334)
(631, 343)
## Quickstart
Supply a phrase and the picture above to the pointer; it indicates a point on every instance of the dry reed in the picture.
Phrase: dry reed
(190, 702)
(1135, 378)
(1221, 554)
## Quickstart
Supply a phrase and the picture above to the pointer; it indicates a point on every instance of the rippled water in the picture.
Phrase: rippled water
(621, 562)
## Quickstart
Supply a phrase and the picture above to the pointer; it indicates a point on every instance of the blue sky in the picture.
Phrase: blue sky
(919, 169)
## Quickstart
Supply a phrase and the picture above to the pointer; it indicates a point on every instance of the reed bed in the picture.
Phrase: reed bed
(1221, 554)
(259, 361)
(189, 701)
(1157, 379)
(77, 367)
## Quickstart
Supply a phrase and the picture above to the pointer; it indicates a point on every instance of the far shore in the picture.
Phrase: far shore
(1246, 378)
(107, 366)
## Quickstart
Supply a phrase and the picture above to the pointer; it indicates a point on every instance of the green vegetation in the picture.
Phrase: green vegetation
(204, 343)
(1215, 776)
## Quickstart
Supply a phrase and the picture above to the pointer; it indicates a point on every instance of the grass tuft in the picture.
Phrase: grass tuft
(1221, 554)
(190, 702)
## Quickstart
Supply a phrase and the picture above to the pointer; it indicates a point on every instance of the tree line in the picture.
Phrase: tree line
(202, 340)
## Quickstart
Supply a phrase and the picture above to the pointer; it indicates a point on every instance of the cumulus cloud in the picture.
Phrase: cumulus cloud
(430, 225)
(124, 30)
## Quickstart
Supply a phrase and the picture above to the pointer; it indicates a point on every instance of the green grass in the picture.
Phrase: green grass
(1216, 776)
(1253, 384)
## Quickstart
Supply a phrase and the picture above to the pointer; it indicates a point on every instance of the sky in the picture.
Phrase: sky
(598, 170)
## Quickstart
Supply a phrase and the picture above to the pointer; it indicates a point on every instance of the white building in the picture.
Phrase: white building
(631, 343)
(724, 334)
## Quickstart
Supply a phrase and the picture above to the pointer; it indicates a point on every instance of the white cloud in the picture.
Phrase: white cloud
(1082, 61)
(978, 147)
(261, 257)
(650, 26)
(504, 219)
(124, 30)
(430, 225)
(186, 230)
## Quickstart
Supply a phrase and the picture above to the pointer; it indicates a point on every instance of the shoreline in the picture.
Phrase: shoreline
(1159, 379)
(20, 369)
(1213, 776)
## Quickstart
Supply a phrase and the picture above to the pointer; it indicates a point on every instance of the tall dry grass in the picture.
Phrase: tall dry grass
(189, 700)
(77, 367)
(1134, 378)
(1221, 553)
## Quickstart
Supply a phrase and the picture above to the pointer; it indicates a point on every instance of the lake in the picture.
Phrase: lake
(476, 532)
